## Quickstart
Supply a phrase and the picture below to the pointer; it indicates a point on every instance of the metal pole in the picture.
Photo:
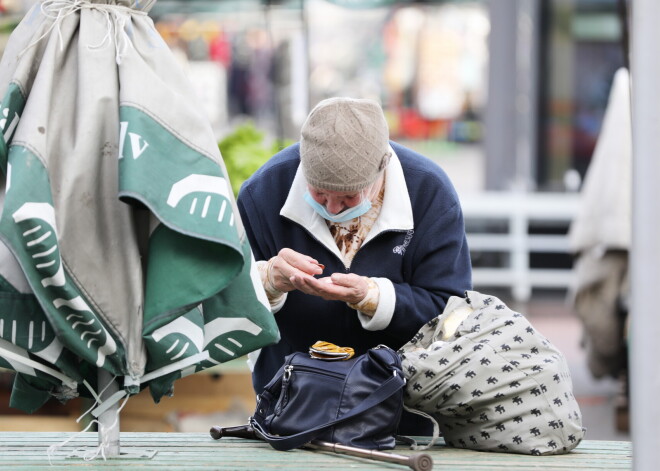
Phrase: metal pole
(108, 420)
(526, 103)
(267, 9)
(645, 251)
(304, 14)
(500, 113)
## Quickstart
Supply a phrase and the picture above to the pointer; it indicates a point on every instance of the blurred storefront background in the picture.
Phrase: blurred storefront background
(427, 62)
(508, 96)
(582, 46)
(432, 64)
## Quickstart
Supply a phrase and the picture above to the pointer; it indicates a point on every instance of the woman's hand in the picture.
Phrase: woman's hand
(349, 287)
(289, 263)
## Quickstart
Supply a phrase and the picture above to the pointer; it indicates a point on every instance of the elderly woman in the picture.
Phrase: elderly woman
(359, 240)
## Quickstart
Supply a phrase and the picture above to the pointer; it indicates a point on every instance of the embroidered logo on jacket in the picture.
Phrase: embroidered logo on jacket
(401, 249)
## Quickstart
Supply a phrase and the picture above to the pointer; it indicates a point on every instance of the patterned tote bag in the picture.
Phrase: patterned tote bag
(491, 381)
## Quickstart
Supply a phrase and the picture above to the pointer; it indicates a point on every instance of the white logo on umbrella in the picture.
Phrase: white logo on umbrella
(196, 183)
(181, 326)
(43, 236)
(40, 235)
(135, 139)
(12, 125)
(223, 325)
(36, 333)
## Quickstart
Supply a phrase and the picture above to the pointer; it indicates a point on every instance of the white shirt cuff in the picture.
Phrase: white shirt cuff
(386, 302)
(275, 298)
(277, 304)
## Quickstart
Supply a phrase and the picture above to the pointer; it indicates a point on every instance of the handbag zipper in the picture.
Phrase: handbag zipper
(284, 396)
(286, 378)
(307, 369)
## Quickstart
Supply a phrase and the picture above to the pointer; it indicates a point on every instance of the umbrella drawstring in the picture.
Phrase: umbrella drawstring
(122, 40)
(105, 443)
(97, 397)
(96, 451)
(117, 17)
(53, 448)
(100, 449)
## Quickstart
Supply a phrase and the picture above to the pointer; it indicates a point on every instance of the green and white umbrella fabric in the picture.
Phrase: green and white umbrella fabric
(120, 243)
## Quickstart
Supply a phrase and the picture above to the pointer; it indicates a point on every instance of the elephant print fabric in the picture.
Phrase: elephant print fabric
(491, 381)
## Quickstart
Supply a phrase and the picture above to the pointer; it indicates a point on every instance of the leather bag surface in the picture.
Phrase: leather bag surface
(356, 402)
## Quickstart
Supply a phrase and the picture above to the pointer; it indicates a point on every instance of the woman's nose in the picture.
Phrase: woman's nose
(334, 205)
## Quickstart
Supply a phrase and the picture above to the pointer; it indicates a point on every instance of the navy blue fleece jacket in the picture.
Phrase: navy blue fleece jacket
(426, 259)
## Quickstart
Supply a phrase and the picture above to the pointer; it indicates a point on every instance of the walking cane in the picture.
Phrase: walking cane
(417, 462)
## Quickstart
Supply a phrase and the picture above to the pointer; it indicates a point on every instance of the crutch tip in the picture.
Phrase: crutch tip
(216, 432)
(421, 462)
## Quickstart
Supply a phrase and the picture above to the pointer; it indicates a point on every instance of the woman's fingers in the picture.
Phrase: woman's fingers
(327, 289)
(302, 262)
(288, 263)
(291, 270)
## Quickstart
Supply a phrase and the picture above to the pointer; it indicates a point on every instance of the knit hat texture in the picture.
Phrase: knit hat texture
(344, 144)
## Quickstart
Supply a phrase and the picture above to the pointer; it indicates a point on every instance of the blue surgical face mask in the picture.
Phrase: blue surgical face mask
(346, 215)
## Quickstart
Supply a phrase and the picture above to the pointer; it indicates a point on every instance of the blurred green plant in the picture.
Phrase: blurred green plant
(244, 151)
(8, 24)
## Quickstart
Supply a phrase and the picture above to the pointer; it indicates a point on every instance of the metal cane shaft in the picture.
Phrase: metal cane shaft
(359, 452)
(417, 462)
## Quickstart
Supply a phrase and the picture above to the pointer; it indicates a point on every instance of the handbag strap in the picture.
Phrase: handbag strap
(283, 443)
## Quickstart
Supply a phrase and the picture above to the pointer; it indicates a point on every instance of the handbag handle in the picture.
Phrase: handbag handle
(385, 390)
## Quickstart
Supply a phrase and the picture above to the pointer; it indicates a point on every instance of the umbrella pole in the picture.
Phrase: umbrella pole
(109, 419)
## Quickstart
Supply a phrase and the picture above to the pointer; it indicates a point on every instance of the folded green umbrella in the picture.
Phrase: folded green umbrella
(120, 243)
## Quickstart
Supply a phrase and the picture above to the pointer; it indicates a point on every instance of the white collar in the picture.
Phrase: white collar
(395, 214)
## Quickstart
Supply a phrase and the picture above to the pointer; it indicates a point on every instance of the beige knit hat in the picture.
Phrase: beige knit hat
(344, 144)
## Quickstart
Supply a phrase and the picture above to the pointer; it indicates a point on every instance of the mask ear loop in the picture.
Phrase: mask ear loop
(369, 194)
(372, 190)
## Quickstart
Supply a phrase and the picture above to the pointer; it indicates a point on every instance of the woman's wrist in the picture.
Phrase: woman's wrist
(265, 273)
(369, 304)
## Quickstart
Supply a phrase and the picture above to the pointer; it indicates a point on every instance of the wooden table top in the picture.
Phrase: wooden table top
(190, 451)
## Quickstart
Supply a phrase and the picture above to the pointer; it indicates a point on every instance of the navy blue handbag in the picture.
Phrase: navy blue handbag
(356, 402)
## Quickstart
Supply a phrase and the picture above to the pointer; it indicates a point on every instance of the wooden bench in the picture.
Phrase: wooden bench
(177, 451)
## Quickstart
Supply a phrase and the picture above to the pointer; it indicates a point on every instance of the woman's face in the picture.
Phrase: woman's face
(336, 201)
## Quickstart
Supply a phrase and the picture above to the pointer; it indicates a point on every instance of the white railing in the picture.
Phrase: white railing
(515, 212)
